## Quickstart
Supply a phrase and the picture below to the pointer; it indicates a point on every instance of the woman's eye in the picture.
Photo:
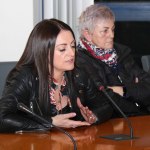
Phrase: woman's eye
(62, 50)
(73, 46)
(105, 31)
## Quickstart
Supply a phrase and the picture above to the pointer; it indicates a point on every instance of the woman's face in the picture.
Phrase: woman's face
(64, 53)
(103, 34)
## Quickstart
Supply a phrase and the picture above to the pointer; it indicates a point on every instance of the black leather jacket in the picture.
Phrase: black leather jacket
(22, 86)
(124, 75)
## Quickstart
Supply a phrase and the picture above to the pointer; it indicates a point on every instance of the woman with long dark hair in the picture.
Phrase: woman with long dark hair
(46, 81)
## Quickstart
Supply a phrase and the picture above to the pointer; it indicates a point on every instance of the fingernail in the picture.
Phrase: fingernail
(74, 114)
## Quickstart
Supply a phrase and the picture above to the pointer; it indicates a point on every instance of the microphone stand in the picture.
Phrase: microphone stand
(118, 137)
(101, 88)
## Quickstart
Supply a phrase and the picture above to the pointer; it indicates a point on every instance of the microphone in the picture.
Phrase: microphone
(118, 137)
(25, 109)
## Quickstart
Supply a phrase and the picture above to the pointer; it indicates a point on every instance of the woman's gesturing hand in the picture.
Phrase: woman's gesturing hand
(117, 89)
(86, 113)
(63, 120)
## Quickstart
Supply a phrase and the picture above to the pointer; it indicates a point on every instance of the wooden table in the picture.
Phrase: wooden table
(87, 138)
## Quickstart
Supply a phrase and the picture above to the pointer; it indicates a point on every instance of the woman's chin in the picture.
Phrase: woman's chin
(70, 68)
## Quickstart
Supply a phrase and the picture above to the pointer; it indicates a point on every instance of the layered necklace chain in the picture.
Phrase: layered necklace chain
(58, 98)
(58, 95)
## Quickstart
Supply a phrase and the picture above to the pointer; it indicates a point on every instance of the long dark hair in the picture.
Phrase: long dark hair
(39, 47)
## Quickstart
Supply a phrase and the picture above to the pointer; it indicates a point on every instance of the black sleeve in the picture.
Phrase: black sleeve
(16, 90)
(138, 90)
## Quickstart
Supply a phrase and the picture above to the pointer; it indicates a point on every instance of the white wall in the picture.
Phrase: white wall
(16, 23)
(19, 16)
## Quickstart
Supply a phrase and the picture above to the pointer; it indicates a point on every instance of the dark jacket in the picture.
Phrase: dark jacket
(137, 98)
(22, 86)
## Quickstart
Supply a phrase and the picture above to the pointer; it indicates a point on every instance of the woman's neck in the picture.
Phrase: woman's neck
(59, 77)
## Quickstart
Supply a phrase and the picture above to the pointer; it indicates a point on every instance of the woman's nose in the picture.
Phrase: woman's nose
(111, 34)
(71, 51)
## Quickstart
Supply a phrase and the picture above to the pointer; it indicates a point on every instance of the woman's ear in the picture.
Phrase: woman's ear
(87, 35)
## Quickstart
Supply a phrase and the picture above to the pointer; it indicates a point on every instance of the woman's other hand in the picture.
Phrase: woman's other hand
(117, 89)
(86, 113)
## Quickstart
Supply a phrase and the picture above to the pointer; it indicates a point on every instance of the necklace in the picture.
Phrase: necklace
(58, 95)
(58, 99)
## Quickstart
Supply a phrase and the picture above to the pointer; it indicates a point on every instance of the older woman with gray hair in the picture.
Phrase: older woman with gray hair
(110, 64)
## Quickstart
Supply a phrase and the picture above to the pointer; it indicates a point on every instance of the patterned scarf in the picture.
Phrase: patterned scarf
(108, 56)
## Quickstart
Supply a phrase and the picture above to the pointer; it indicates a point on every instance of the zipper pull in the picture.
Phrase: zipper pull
(119, 79)
(31, 106)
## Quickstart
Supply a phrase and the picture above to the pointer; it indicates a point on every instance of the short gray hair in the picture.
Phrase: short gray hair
(92, 15)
